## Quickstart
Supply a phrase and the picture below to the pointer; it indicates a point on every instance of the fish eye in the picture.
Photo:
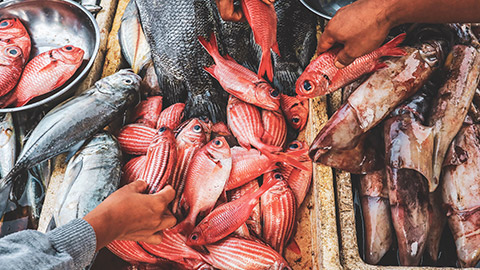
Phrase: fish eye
(274, 93)
(68, 48)
(217, 142)
(162, 129)
(294, 146)
(4, 23)
(12, 51)
(278, 176)
(286, 268)
(194, 237)
(295, 119)
(307, 86)
(325, 76)
(127, 81)
(197, 128)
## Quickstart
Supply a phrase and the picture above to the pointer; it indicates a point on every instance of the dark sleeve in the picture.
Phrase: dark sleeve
(71, 246)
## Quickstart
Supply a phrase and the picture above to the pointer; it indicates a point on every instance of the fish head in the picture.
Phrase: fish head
(69, 54)
(297, 114)
(267, 95)
(196, 237)
(12, 28)
(193, 133)
(218, 149)
(312, 84)
(11, 55)
(164, 135)
(117, 84)
(300, 149)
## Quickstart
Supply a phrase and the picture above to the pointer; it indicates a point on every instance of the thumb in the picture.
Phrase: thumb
(138, 186)
(344, 58)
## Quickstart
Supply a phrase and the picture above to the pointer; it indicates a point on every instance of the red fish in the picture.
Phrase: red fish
(134, 139)
(295, 110)
(298, 180)
(274, 128)
(44, 73)
(172, 116)
(321, 77)
(246, 125)
(240, 254)
(228, 217)
(132, 252)
(239, 80)
(254, 222)
(11, 63)
(133, 170)
(148, 111)
(263, 21)
(160, 160)
(189, 141)
(206, 177)
(278, 208)
(12, 31)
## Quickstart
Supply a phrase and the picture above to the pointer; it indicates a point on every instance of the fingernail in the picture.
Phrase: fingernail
(339, 65)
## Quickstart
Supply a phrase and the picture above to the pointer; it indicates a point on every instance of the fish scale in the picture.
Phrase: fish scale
(254, 222)
(172, 116)
(134, 139)
(278, 208)
(131, 251)
(11, 63)
(133, 170)
(275, 128)
(240, 254)
(160, 160)
(14, 32)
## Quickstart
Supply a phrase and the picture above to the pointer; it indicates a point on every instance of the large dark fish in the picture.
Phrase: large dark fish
(297, 41)
(91, 175)
(460, 188)
(172, 29)
(76, 119)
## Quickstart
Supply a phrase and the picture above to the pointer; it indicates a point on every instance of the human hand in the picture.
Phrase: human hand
(361, 27)
(128, 214)
(230, 13)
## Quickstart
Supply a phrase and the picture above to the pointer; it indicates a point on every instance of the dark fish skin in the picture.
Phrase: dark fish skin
(297, 41)
(77, 119)
(172, 29)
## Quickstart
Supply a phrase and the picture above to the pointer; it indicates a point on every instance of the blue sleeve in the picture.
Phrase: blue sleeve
(71, 246)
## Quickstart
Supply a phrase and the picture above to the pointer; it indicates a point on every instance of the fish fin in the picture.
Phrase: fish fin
(229, 58)
(391, 49)
(379, 66)
(51, 225)
(208, 104)
(211, 70)
(266, 65)
(211, 47)
(294, 247)
(276, 49)
(288, 158)
(284, 81)
(73, 150)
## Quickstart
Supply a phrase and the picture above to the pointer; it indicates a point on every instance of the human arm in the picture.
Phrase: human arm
(363, 25)
(231, 13)
(126, 214)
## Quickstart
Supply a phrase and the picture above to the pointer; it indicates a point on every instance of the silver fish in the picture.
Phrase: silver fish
(76, 120)
(91, 175)
(132, 40)
(7, 155)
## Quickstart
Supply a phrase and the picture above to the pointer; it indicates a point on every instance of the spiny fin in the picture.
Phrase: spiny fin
(391, 49)
(294, 247)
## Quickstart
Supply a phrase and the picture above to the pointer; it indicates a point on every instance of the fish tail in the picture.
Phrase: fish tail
(289, 158)
(212, 46)
(265, 187)
(391, 49)
(266, 65)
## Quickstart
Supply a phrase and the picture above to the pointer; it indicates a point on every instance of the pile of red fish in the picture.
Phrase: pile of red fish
(20, 79)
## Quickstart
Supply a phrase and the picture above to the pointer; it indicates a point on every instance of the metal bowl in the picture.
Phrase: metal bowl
(325, 8)
(53, 24)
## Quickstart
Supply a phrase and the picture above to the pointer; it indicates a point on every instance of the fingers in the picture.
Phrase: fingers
(344, 58)
(325, 42)
(138, 186)
(166, 195)
(168, 221)
(228, 12)
(153, 239)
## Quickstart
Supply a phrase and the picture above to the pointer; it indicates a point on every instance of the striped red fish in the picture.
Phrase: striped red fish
(134, 139)
(239, 80)
(299, 180)
(274, 128)
(11, 63)
(13, 32)
(206, 177)
(295, 111)
(245, 122)
(160, 160)
(131, 252)
(321, 77)
(133, 170)
(239, 254)
(254, 222)
(228, 217)
(278, 208)
(148, 111)
(189, 141)
(263, 21)
(44, 73)
(172, 116)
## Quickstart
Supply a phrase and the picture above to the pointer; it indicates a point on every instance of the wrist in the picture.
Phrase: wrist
(394, 12)
(100, 223)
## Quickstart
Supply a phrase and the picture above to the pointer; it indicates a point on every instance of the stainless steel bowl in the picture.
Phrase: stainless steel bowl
(52, 24)
(325, 8)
